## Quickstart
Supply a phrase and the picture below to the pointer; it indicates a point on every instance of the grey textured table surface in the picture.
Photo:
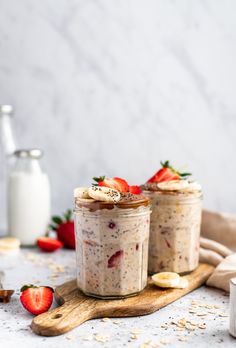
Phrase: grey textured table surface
(205, 307)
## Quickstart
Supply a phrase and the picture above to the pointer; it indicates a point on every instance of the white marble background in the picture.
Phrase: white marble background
(113, 87)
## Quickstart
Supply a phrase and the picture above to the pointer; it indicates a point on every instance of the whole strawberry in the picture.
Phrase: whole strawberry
(64, 227)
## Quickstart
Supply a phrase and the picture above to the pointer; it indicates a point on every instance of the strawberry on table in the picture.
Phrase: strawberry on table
(64, 227)
(49, 244)
(118, 184)
(36, 299)
(167, 173)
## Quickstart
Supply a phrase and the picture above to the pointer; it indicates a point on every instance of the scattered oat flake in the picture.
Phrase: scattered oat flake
(105, 319)
(102, 338)
(164, 341)
(182, 339)
(190, 327)
(202, 326)
(145, 344)
(135, 331)
(192, 311)
(134, 337)
(223, 315)
(117, 322)
(87, 338)
(201, 314)
(69, 337)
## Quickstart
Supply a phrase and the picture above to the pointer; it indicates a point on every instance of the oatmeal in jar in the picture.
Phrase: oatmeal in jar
(175, 223)
(112, 232)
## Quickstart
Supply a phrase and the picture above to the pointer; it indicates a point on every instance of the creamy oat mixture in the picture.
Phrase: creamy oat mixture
(174, 231)
(112, 249)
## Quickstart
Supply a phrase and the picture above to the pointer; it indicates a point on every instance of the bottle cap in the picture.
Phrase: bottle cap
(6, 109)
(29, 153)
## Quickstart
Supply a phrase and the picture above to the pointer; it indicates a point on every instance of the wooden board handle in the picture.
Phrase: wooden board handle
(63, 318)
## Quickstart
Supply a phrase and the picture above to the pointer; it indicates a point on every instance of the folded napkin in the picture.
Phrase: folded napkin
(223, 273)
(217, 244)
(213, 252)
(220, 227)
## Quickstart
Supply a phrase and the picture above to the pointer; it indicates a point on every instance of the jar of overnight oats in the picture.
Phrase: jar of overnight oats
(112, 246)
(174, 230)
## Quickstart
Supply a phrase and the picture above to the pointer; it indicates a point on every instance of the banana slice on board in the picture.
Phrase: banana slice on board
(166, 279)
(173, 185)
(183, 283)
(81, 192)
(104, 194)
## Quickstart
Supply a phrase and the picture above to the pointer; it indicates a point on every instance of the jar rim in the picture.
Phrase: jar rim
(174, 195)
(139, 201)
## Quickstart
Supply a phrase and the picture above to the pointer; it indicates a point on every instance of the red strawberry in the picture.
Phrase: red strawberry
(118, 184)
(167, 173)
(115, 259)
(135, 190)
(36, 300)
(65, 230)
(49, 244)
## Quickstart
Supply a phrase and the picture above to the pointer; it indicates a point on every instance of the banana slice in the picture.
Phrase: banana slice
(104, 194)
(9, 246)
(85, 200)
(166, 279)
(183, 283)
(193, 186)
(81, 192)
(173, 185)
(9, 243)
(4, 251)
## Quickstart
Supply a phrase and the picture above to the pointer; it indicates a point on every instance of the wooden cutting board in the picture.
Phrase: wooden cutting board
(76, 308)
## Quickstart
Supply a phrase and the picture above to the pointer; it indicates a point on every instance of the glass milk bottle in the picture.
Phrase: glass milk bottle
(7, 148)
(28, 197)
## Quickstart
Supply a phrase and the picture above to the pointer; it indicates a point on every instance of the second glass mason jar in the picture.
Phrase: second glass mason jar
(112, 247)
(174, 231)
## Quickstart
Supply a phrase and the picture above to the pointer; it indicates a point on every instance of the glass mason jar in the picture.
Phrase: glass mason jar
(112, 247)
(174, 231)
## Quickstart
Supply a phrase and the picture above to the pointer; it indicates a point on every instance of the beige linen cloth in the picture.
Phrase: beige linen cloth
(217, 247)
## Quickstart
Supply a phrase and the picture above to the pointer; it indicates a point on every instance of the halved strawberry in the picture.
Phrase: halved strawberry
(167, 173)
(64, 227)
(118, 184)
(36, 299)
(49, 244)
(115, 259)
(135, 190)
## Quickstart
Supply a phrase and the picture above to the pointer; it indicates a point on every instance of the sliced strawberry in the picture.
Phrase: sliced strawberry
(167, 173)
(36, 300)
(115, 259)
(135, 190)
(49, 244)
(164, 174)
(64, 227)
(118, 184)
